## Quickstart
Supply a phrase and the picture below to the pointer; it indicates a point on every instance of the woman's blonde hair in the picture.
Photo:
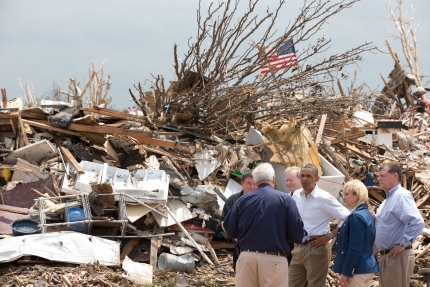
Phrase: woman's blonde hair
(357, 188)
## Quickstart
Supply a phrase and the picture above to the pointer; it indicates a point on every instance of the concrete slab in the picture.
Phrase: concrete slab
(37, 151)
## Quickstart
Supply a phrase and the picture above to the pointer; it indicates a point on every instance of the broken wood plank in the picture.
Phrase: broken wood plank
(23, 135)
(423, 251)
(128, 247)
(348, 136)
(357, 151)
(422, 200)
(54, 159)
(212, 252)
(152, 141)
(141, 137)
(14, 209)
(116, 114)
(155, 242)
(154, 150)
(66, 280)
(3, 97)
(46, 125)
(38, 193)
(30, 115)
(320, 129)
(375, 194)
(48, 191)
(71, 159)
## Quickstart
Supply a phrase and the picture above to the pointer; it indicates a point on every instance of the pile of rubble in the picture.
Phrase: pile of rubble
(95, 187)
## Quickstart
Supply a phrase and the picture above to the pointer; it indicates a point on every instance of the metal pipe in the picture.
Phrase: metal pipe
(138, 236)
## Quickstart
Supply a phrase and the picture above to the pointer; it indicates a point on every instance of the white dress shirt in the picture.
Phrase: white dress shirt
(318, 209)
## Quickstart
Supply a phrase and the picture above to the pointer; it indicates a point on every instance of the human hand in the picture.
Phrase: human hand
(318, 241)
(343, 281)
(395, 249)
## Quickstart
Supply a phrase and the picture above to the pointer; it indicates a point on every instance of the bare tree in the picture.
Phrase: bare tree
(407, 37)
(95, 89)
(219, 87)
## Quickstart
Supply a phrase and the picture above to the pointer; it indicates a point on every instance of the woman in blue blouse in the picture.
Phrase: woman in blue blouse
(355, 261)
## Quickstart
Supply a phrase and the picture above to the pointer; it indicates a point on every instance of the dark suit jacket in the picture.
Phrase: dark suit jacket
(354, 244)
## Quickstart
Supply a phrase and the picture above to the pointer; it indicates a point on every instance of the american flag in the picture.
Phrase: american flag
(284, 57)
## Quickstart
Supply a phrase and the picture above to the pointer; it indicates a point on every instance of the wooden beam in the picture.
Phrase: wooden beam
(357, 151)
(152, 141)
(422, 200)
(423, 251)
(320, 129)
(375, 194)
(340, 88)
(48, 126)
(22, 131)
(4, 98)
(14, 209)
(70, 158)
(144, 147)
(128, 247)
(116, 114)
(31, 115)
(38, 193)
(348, 136)
(212, 252)
(155, 243)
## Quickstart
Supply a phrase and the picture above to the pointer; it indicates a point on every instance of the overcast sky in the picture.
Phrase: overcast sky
(47, 41)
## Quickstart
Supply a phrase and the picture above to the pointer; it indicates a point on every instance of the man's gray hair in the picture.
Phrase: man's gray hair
(313, 167)
(295, 169)
(263, 172)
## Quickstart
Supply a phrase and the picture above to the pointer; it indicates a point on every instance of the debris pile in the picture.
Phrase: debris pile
(92, 187)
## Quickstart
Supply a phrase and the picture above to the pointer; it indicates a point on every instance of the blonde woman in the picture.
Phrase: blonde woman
(355, 261)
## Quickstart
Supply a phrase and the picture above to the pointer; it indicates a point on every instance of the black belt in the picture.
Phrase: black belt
(386, 251)
(311, 238)
(265, 252)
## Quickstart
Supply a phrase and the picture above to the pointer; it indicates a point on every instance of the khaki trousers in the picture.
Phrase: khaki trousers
(396, 272)
(261, 270)
(309, 264)
(360, 280)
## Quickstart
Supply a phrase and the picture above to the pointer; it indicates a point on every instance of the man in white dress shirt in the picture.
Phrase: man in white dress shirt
(317, 208)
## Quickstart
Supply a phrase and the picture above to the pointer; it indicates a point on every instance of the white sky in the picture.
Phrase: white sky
(47, 41)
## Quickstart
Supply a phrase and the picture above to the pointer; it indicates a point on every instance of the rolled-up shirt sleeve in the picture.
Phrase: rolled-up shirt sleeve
(409, 214)
(336, 210)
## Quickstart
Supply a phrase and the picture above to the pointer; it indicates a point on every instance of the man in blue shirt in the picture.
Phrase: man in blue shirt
(398, 223)
(264, 221)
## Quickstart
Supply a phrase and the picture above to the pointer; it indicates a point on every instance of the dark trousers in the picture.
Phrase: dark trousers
(236, 253)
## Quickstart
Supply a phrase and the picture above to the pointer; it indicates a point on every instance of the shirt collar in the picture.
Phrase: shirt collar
(263, 185)
(314, 192)
(393, 190)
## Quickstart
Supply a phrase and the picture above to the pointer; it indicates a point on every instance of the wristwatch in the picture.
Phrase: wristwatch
(404, 246)
(330, 235)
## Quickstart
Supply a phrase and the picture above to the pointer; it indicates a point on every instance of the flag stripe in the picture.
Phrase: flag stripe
(283, 58)
(283, 62)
